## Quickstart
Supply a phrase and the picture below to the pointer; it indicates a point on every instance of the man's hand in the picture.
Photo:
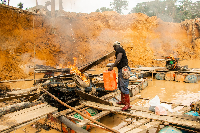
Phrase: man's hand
(110, 69)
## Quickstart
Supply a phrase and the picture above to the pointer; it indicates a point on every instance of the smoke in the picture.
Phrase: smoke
(103, 44)
(27, 63)
(44, 2)
(166, 40)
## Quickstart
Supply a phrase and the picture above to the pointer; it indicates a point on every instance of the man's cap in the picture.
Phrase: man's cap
(116, 43)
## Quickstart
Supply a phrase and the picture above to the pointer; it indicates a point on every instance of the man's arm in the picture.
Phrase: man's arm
(119, 57)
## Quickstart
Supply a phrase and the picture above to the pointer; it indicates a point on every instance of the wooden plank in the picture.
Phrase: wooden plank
(92, 97)
(24, 91)
(170, 119)
(14, 119)
(67, 111)
(135, 124)
(145, 127)
(98, 126)
(16, 96)
(98, 116)
(148, 68)
(122, 124)
(173, 104)
(110, 95)
(81, 110)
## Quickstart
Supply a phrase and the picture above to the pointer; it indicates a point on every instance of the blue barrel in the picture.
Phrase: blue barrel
(169, 129)
(191, 79)
(160, 76)
(193, 113)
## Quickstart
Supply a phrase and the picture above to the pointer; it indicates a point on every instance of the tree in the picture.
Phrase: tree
(103, 9)
(20, 5)
(119, 5)
(3, 1)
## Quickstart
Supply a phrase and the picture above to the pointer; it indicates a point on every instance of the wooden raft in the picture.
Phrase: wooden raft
(15, 119)
(148, 115)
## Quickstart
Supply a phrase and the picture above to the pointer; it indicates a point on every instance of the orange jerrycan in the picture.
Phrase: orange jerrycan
(109, 78)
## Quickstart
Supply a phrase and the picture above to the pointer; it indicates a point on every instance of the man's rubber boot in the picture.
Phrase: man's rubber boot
(127, 102)
(122, 102)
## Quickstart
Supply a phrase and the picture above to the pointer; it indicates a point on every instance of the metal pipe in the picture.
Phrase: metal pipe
(87, 117)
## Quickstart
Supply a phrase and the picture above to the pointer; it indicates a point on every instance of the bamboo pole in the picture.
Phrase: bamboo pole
(87, 117)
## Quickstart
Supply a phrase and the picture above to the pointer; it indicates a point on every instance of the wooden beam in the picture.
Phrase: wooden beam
(144, 127)
(135, 124)
(147, 115)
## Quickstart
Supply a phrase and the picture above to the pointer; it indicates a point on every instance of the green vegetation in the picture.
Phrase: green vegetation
(103, 9)
(119, 5)
(167, 10)
(20, 5)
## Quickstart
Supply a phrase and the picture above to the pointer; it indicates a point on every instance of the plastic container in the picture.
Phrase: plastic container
(192, 78)
(89, 112)
(170, 76)
(169, 129)
(109, 78)
(160, 76)
(193, 113)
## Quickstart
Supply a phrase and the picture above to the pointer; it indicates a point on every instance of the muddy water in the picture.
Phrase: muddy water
(169, 91)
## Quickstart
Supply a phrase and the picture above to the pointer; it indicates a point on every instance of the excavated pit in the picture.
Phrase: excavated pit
(88, 37)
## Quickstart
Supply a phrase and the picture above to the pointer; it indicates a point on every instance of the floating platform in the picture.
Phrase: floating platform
(12, 120)
(162, 73)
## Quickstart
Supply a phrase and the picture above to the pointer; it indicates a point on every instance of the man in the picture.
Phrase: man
(121, 61)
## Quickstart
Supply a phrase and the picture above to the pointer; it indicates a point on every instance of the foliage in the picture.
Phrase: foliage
(20, 5)
(169, 10)
(3, 1)
(103, 9)
(119, 5)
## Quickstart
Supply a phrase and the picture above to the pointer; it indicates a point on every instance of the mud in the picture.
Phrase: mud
(90, 36)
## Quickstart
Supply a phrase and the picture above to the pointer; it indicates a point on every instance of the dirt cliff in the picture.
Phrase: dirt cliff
(87, 37)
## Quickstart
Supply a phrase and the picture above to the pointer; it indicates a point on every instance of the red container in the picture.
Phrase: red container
(109, 78)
